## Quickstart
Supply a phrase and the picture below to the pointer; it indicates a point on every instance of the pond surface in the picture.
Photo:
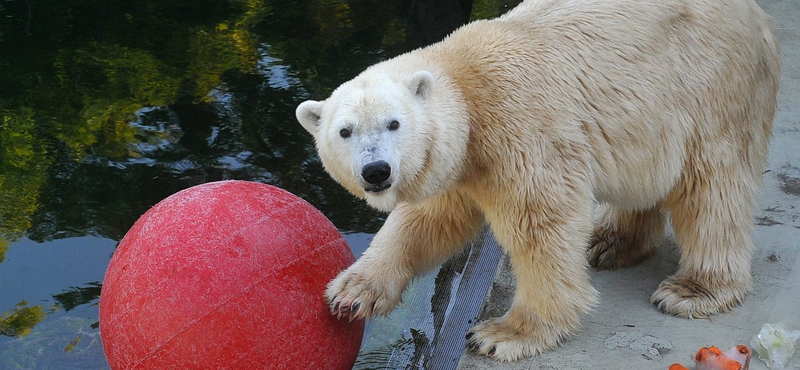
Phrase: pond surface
(107, 107)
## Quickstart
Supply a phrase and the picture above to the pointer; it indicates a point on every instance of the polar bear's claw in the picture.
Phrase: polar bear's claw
(505, 339)
(358, 293)
(609, 253)
(688, 298)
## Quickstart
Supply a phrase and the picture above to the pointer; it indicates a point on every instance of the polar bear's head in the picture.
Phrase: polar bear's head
(376, 136)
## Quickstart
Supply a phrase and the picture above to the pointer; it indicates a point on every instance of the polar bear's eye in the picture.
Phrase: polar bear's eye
(345, 133)
(394, 125)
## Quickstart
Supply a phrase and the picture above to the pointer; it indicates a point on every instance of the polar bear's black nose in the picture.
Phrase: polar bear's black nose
(376, 172)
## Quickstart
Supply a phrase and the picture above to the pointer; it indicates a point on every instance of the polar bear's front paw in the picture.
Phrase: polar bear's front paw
(503, 339)
(360, 293)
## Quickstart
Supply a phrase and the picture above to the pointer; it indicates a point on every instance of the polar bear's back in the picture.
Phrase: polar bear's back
(645, 86)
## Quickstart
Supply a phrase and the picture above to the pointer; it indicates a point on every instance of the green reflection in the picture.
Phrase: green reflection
(107, 107)
(485, 9)
(19, 321)
(3, 248)
(115, 82)
(23, 171)
(72, 344)
(225, 78)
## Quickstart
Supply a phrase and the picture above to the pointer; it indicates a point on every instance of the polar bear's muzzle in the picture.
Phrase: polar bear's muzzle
(376, 175)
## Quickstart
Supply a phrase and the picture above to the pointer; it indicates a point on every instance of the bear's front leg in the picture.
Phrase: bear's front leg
(547, 247)
(414, 239)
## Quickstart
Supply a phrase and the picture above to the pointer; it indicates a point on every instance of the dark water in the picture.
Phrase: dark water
(107, 107)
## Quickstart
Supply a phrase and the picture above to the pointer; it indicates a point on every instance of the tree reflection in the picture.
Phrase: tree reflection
(89, 84)
(19, 321)
(106, 108)
(77, 296)
(153, 97)
(3, 248)
(484, 9)
(23, 171)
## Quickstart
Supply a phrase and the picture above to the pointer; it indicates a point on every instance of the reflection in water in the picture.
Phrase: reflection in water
(378, 358)
(19, 321)
(3, 248)
(48, 347)
(71, 345)
(171, 95)
(156, 130)
(77, 296)
(107, 108)
(275, 74)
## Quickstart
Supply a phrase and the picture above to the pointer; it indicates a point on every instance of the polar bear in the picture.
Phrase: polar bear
(648, 108)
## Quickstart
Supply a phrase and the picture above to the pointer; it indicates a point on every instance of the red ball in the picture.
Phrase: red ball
(227, 275)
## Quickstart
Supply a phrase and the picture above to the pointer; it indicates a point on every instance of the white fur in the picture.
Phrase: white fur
(652, 107)
(367, 106)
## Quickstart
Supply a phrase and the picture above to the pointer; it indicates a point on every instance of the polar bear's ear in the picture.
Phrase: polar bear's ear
(309, 113)
(421, 84)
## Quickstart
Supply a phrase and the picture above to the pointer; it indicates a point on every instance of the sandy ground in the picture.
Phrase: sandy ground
(626, 332)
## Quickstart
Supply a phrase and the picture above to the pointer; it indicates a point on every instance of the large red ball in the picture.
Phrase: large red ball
(227, 275)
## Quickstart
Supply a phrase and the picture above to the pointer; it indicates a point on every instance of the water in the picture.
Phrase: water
(107, 107)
